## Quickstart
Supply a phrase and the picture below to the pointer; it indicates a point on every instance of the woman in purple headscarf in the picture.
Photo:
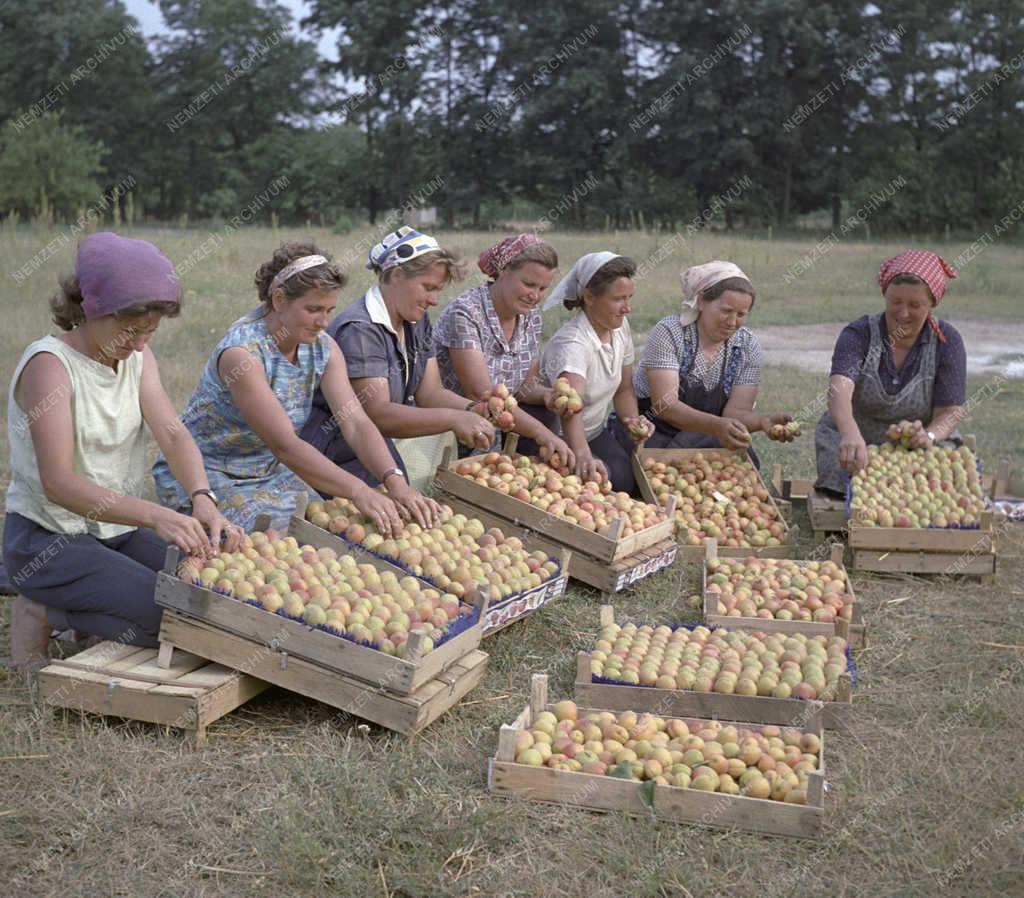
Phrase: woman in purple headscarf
(81, 547)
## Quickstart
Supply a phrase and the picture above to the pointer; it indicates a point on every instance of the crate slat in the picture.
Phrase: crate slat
(334, 652)
(407, 714)
(97, 681)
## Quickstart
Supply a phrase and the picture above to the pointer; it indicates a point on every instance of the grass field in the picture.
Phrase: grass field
(290, 797)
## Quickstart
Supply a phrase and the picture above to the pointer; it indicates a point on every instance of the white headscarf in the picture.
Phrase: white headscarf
(699, 278)
(571, 286)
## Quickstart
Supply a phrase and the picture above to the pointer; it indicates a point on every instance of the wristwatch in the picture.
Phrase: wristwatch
(931, 436)
(389, 472)
(210, 494)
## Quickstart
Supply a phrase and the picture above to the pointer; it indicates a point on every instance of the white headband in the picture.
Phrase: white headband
(294, 267)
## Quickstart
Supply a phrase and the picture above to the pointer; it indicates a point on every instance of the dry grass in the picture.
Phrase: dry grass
(290, 798)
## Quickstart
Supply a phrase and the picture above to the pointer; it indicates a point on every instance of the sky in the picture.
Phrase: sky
(152, 22)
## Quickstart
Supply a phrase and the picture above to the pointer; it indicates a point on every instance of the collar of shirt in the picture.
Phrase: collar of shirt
(586, 330)
(379, 314)
(493, 321)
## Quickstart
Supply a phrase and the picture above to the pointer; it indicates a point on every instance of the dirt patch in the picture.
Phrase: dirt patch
(993, 345)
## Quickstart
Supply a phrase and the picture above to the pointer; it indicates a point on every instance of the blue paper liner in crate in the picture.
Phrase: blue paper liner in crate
(851, 663)
(394, 562)
(462, 623)
(988, 505)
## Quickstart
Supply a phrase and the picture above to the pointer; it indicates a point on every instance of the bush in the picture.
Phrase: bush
(345, 222)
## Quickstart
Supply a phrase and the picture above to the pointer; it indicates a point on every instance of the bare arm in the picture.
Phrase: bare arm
(853, 452)
(362, 435)
(731, 431)
(587, 467)
(532, 391)
(261, 410)
(471, 370)
(182, 454)
(945, 419)
(424, 419)
(43, 392)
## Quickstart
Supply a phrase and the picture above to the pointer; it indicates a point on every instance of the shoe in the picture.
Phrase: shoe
(30, 633)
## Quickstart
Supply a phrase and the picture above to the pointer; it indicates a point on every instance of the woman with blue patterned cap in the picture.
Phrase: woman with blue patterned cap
(700, 370)
(388, 343)
(256, 392)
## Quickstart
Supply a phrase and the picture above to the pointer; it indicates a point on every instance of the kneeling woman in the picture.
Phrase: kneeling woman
(593, 350)
(700, 370)
(900, 363)
(491, 335)
(388, 343)
(256, 391)
(81, 545)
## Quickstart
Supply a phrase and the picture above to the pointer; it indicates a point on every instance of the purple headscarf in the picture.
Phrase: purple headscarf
(117, 272)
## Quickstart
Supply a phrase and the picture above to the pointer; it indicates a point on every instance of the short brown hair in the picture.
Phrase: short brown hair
(604, 277)
(455, 268)
(738, 285)
(540, 253)
(326, 276)
(67, 313)
(908, 278)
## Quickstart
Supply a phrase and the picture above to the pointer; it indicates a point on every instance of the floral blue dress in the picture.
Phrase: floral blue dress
(247, 477)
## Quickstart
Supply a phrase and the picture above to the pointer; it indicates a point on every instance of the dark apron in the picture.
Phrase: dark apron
(874, 409)
(696, 396)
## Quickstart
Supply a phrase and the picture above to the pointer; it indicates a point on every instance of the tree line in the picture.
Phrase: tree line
(902, 116)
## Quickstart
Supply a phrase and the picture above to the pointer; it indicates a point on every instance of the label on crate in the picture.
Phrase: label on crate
(646, 568)
(517, 606)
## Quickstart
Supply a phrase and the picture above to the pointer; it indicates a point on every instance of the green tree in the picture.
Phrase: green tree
(48, 168)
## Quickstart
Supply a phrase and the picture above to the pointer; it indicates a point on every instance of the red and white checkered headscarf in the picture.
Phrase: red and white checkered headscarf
(930, 267)
(492, 260)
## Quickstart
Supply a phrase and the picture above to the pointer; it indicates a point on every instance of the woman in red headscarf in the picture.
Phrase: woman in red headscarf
(491, 335)
(898, 364)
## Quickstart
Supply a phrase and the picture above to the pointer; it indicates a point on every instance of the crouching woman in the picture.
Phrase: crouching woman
(80, 543)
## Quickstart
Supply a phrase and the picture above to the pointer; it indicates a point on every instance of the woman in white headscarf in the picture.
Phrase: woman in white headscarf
(593, 350)
(700, 370)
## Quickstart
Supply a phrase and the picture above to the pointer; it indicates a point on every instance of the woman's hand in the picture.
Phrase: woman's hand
(853, 452)
(588, 468)
(919, 439)
(183, 531)
(639, 429)
(473, 430)
(768, 422)
(205, 511)
(412, 504)
(552, 443)
(381, 511)
(732, 433)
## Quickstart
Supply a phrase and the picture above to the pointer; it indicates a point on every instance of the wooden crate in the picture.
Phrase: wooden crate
(500, 612)
(670, 803)
(613, 577)
(606, 547)
(853, 631)
(335, 653)
(920, 550)
(125, 681)
(403, 713)
(696, 553)
(827, 514)
(714, 705)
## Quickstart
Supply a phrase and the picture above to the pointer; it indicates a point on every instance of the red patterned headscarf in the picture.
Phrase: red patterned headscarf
(497, 257)
(930, 267)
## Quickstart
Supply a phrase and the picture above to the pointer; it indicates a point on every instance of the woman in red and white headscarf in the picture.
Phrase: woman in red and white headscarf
(898, 364)
(490, 335)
